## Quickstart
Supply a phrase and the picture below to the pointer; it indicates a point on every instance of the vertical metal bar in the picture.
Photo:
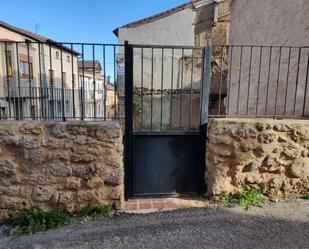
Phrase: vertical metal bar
(18, 82)
(220, 83)
(105, 86)
(29, 78)
(94, 82)
(57, 106)
(83, 84)
(278, 78)
(287, 81)
(205, 88)
(191, 85)
(230, 78)
(249, 80)
(142, 85)
(172, 81)
(259, 81)
(36, 108)
(7, 77)
(115, 84)
(306, 85)
(128, 120)
(40, 77)
(73, 79)
(239, 79)
(297, 76)
(51, 81)
(205, 92)
(62, 85)
(268, 80)
(151, 100)
(181, 90)
(161, 109)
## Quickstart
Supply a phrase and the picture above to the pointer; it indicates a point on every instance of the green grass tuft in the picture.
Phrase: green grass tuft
(306, 196)
(245, 198)
(32, 220)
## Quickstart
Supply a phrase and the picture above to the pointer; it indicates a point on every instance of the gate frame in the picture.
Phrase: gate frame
(129, 137)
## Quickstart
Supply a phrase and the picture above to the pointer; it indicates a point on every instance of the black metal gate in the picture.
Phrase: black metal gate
(166, 102)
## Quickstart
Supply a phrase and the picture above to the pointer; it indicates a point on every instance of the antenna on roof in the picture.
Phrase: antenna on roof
(37, 26)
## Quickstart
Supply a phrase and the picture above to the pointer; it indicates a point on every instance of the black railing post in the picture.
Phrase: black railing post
(20, 115)
(104, 82)
(306, 85)
(128, 119)
(8, 76)
(94, 81)
(205, 92)
(73, 79)
(82, 88)
(29, 79)
(51, 78)
(40, 78)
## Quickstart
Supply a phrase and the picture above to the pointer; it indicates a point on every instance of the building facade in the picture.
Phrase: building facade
(99, 95)
(38, 77)
(190, 24)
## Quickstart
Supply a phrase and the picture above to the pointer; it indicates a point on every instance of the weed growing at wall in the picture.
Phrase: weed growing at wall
(33, 220)
(245, 198)
(306, 196)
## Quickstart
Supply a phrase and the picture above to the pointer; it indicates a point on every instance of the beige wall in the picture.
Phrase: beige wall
(264, 22)
(45, 59)
(48, 60)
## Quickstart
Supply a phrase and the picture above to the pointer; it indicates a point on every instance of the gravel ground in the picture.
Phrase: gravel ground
(276, 225)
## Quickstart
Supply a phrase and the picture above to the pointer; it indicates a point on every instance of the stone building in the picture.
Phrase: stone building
(92, 85)
(190, 24)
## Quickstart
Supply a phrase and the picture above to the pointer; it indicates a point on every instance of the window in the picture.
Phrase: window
(68, 58)
(64, 77)
(26, 71)
(57, 55)
(9, 69)
(51, 75)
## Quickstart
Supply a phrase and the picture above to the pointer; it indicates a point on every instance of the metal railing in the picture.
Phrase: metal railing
(259, 81)
(85, 81)
(59, 81)
(166, 87)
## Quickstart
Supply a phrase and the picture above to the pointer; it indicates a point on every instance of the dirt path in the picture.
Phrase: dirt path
(282, 225)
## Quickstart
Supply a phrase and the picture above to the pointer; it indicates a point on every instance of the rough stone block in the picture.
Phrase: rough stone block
(50, 164)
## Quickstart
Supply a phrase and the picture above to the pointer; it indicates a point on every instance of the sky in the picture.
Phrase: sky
(80, 20)
(84, 21)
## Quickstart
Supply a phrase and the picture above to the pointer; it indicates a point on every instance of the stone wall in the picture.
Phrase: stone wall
(271, 154)
(68, 165)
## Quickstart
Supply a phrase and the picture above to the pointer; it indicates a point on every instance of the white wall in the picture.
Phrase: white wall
(175, 29)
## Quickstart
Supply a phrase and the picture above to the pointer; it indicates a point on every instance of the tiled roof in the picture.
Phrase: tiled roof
(24, 32)
(157, 16)
(89, 64)
(33, 36)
